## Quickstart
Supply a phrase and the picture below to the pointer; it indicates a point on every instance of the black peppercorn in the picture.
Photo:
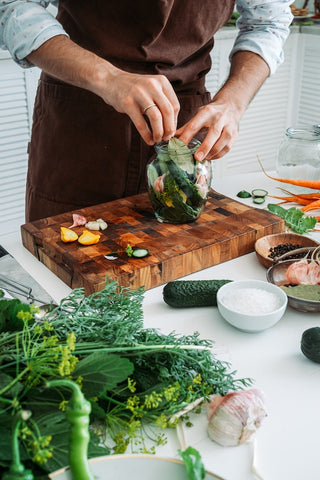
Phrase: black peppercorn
(283, 248)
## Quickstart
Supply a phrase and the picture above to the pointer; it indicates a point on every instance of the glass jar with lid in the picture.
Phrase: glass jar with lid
(298, 156)
(178, 184)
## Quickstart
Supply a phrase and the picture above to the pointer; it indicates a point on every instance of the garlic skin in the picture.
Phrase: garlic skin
(235, 417)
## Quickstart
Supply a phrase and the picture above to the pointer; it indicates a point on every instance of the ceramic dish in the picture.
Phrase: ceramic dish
(133, 467)
(301, 17)
(259, 292)
(277, 276)
(263, 245)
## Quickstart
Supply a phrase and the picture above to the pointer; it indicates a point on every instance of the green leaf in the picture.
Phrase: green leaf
(11, 313)
(294, 218)
(193, 463)
(5, 445)
(306, 292)
(181, 155)
(102, 371)
(14, 390)
(54, 423)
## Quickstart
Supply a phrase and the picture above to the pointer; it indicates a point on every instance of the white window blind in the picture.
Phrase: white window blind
(309, 101)
(14, 136)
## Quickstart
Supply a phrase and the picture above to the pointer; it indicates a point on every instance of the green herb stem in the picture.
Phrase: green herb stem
(14, 381)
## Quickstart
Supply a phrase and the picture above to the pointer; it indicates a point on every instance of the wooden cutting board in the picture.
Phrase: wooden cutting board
(225, 230)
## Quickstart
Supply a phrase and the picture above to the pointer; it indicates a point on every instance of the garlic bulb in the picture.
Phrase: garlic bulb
(235, 417)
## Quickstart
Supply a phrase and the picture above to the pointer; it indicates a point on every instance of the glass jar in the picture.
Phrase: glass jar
(178, 185)
(298, 156)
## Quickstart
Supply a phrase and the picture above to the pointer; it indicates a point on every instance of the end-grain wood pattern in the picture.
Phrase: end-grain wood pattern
(225, 230)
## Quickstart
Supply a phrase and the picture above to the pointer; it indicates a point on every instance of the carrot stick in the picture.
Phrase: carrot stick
(311, 196)
(293, 199)
(301, 183)
(311, 206)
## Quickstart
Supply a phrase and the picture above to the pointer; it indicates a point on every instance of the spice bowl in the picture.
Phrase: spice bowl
(251, 305)
(277, 275)
(280, 243)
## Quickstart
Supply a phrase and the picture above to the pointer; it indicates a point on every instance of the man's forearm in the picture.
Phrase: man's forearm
(248, 72)
(61, 58)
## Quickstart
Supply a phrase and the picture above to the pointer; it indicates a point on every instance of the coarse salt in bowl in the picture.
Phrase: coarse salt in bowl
(251, 305)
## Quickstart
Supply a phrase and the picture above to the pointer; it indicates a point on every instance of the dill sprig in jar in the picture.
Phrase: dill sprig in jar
(298, 156)
(178, 184)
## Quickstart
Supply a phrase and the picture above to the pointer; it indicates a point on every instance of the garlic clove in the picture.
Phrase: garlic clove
(235, 417)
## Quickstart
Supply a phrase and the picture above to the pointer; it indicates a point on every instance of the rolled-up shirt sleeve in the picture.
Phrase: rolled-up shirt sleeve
(263, 29)
(25, 26)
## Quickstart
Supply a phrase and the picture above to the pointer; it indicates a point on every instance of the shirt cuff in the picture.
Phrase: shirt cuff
(21, 53)
(26, 29)
(266, 45)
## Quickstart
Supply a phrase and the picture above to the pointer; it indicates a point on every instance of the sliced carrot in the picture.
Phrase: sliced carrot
(301, 183)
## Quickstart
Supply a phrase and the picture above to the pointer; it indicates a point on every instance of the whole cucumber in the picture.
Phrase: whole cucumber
(192, 293)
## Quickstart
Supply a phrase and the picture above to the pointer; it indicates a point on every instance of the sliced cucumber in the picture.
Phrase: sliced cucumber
(140, 252)
(243, 194)
(259, 192)
(258, 200)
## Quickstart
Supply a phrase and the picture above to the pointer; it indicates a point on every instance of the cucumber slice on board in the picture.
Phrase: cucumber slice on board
(140, 252)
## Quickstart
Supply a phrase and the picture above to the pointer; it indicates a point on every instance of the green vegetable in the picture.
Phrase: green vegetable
(259, 192)
(131, 252)
(243, 194)
(258, 200)
(140, 252)
(171, 205)
(192, 293)
(130, 374)
(13, 313)
(182, 181)
(310, 344)
(17, 471)
(294, 218)
(193, 463)
(78, 414)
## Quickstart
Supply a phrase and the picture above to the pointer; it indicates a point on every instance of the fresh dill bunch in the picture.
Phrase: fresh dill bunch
(112, 315)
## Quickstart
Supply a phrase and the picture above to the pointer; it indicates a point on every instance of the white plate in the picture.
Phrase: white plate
(133, 467)
(300, 17)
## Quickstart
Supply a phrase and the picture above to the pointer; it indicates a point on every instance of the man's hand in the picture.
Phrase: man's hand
(149, 100)
(141, 96)
(220, 118)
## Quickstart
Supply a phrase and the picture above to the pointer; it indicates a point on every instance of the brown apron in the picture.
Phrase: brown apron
(82, 151)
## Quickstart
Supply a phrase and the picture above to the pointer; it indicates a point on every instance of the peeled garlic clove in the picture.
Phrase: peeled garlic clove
(234, 418)
(103, 225)
(94, 225)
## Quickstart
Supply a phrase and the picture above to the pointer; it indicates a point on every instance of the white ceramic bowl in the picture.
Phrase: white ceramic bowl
(248, 304)
(134, 467)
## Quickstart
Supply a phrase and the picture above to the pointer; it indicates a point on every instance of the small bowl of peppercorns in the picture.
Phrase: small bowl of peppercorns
(270, 247)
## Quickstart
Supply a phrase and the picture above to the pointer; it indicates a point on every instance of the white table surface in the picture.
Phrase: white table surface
(288, 442)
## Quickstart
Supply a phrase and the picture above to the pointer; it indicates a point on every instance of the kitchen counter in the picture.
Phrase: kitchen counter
(287, 444)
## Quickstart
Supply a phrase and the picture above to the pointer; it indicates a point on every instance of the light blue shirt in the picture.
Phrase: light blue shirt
(263, 28)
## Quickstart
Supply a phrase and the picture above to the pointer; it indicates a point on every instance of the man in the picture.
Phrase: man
(119, 76)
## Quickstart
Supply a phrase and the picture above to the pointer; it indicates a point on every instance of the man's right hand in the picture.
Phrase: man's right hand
(139, 96)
